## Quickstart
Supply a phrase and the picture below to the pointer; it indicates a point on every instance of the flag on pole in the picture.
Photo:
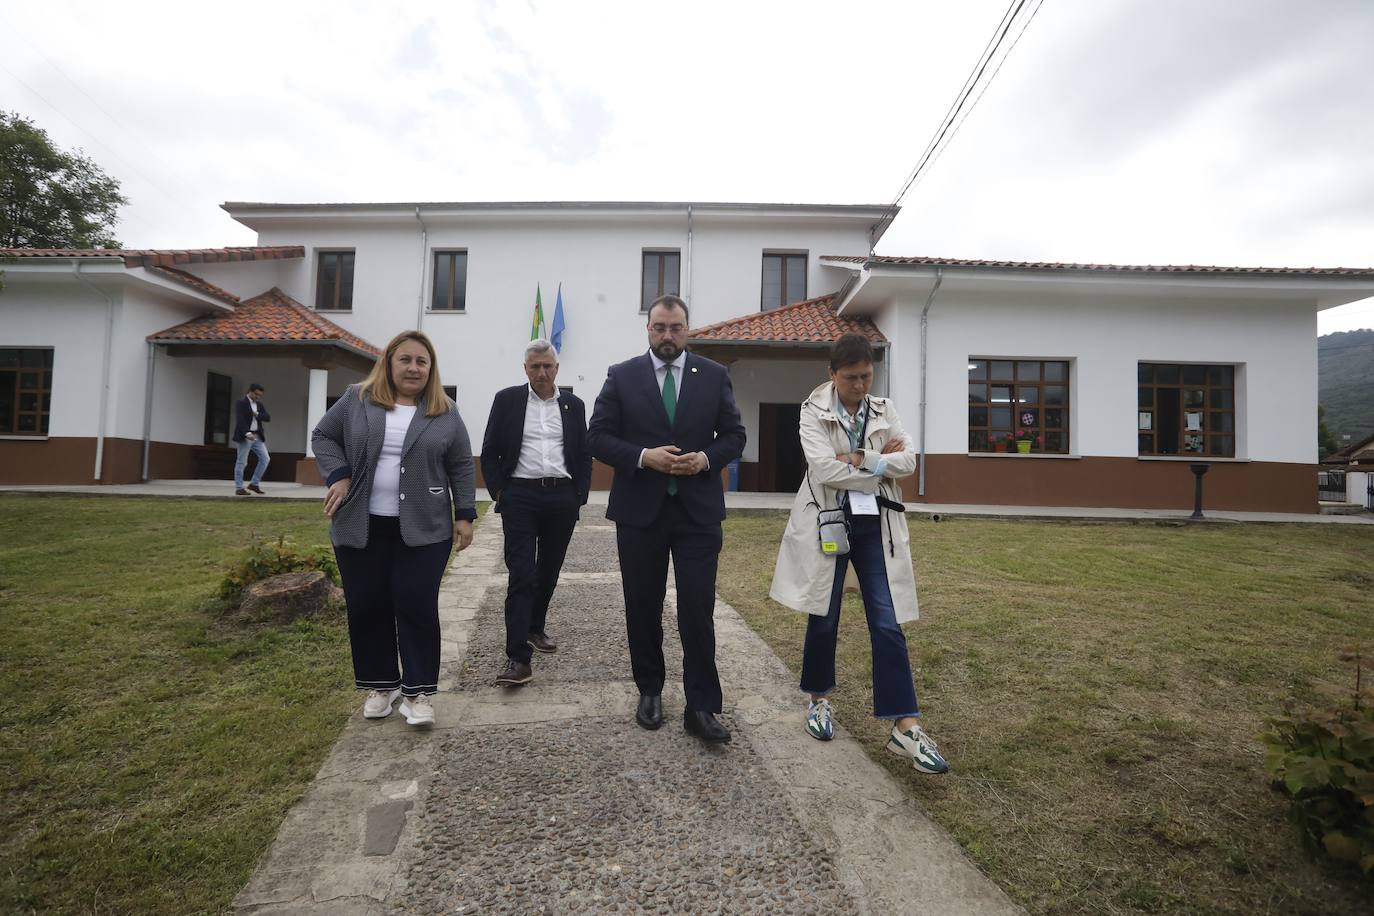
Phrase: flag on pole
(537, 325)
(556, 338)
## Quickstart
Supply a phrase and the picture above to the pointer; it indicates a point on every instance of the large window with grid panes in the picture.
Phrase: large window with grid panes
(25, 390)
(1186, 409)
(1012, 401)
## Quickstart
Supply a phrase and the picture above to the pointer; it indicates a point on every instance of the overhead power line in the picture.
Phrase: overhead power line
(957, 113)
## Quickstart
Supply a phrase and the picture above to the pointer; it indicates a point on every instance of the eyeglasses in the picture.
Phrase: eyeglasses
(669, 328)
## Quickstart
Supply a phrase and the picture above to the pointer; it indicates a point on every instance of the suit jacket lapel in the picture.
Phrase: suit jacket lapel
(564, 417)
(516, 431)
(418, 424)
(682, 389)
(376, 431)
(655, 392)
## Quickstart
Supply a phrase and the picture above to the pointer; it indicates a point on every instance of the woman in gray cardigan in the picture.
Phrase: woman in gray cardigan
(398, 463)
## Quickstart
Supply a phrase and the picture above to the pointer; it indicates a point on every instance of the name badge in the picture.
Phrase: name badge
(862, 503)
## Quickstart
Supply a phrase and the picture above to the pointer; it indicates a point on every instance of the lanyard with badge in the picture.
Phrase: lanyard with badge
(860, 503)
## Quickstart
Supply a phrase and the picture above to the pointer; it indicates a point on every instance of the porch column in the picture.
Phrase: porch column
(314, 407)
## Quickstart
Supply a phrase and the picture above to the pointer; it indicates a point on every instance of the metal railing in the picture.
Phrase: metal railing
(1331, 486)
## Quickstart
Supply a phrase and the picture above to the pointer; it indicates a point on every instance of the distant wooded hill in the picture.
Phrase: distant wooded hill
(1345, 383)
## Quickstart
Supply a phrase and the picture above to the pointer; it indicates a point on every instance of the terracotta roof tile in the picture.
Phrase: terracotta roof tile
(1357, 272)
(809, 321)
(270, 316)
(196, 283)
(147, 257)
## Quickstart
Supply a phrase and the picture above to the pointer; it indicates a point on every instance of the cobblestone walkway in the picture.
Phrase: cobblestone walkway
(548, 798)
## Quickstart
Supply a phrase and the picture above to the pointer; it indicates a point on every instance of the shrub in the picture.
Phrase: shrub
(1323, 758)
(272, 558)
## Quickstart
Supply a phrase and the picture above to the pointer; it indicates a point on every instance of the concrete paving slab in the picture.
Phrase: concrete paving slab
(549, 797)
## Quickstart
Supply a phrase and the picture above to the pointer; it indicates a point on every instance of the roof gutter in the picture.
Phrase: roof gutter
(104, 369)
(856, 282)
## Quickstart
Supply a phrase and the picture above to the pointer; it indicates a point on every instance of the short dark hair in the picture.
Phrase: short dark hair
(672, 301)
(850, 350)
(254, 386)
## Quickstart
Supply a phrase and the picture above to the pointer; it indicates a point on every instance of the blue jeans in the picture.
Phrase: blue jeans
(894, 693)
(257, 447)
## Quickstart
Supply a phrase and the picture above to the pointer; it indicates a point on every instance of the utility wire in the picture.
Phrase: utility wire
(975, 76)
(954, 133)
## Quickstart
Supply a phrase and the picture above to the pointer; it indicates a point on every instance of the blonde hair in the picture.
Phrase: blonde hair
(378, 387)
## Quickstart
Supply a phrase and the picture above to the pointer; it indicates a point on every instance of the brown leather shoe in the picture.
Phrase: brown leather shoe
(542, 643)
(256, 489)
(242, 492)
(515, 674)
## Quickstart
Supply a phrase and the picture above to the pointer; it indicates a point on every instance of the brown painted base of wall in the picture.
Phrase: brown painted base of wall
(1125, 483)
(71, 460)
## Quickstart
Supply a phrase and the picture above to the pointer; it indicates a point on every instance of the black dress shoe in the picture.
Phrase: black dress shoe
(649, 713)
(705, 726)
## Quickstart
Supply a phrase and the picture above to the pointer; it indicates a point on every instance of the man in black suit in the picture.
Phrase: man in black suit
(538, 470)
(668, 424)
(250, 413)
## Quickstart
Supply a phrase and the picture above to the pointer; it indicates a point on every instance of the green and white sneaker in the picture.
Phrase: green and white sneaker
(916, 744)
(818, 720)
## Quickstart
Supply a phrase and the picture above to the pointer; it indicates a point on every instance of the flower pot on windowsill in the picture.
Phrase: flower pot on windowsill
(999, 446)
(1023, 446)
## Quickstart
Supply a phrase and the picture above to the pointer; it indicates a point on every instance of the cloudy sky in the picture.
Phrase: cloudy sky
(1128, 131)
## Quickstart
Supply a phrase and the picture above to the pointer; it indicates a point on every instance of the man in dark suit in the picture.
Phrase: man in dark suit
(538, 470)
(250, 413)
(668, 424)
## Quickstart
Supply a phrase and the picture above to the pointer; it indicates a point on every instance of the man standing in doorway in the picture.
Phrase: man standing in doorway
(666, 421)
(537, 468)
(249, 436)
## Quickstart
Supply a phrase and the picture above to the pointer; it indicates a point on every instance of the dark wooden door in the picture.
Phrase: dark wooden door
(781, 462)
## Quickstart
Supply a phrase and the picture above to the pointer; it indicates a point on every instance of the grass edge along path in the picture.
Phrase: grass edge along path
(150, 744)
(1097, 688)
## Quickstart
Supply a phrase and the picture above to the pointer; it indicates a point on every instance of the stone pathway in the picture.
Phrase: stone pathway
(548, 798)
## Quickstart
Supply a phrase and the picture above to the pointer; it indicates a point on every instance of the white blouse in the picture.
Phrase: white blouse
(385, 498)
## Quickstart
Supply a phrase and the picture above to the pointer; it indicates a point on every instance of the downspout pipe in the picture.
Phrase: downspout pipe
(104, 369)
(687, 293)
(148, 408)
(424, 263)
(921, 423)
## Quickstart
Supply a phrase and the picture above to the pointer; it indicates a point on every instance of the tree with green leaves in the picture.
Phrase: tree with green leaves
(1326, 439)
(50, 198)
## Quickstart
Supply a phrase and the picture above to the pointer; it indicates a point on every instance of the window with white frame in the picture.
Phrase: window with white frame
(1018, 400)
(25, 390)
(1186, 409)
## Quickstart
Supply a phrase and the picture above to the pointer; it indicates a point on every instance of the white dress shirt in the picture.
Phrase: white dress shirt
(661, 373)
(385, 498)
(253, 426)
(541, 446)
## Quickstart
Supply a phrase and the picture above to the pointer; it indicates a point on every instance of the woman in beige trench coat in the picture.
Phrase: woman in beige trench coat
(855, 451)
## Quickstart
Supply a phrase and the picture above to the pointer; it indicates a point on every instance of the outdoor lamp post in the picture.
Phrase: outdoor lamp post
(1198, 470)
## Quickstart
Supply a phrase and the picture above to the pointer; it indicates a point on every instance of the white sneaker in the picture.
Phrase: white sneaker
(417, 710)
(916, 744)
(378, 703)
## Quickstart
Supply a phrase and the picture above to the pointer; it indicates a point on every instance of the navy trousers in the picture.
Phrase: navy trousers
(538, 523)
(392, 592)
(894, 693)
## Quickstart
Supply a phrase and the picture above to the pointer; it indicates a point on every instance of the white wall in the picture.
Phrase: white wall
(246, 279)
(772, 382)
(1272, 344)
(70, 318)
(597, 259)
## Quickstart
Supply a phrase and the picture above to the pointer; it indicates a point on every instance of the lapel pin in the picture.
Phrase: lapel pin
(694, 368)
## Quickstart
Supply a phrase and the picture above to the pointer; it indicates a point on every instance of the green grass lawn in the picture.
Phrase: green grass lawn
(150, 745)
(1097, 689)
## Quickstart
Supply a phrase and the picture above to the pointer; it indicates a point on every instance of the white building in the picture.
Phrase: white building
(120, 365)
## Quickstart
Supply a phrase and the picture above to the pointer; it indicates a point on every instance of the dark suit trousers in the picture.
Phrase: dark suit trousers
(538, 523)
(695, 550)
(392, 592)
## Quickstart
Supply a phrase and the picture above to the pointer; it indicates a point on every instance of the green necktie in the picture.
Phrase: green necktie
(670, 405)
